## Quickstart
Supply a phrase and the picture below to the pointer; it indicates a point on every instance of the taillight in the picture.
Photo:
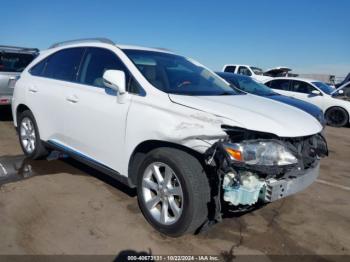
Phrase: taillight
(4, 101)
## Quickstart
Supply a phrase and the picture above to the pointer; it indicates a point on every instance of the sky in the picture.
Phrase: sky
(308, 36)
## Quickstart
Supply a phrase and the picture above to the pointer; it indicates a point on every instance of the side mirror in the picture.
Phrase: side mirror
(341, 91)
(315, 92)
(115, 79)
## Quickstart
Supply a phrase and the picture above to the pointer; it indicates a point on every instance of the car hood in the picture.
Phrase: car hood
(339, 88)
(254, 113)
(305, 106)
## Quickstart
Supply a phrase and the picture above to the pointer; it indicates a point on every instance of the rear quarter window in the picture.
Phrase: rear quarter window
(38, 69)
(63, 65)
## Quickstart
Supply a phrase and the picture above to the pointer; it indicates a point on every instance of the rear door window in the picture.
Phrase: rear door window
(279, 84)
(14, 62)
(301, 87)
(64, 64)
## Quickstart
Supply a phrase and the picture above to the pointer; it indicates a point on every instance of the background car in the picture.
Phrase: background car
(335, 108)
(343, 91)
(13, 60)
(252, 71)
(247, 84)
(346, 79)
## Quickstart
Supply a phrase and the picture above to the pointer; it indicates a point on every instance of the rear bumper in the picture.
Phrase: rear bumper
(277, 189)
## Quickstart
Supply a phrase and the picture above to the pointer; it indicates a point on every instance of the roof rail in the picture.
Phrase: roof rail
(83, 40)
(17, 48)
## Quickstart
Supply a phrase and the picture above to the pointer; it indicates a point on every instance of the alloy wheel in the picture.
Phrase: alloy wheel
(27, 134)
(162, 193)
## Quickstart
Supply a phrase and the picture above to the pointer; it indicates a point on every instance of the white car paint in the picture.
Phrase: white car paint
(259, 78)
(108, 129)
(323, 100)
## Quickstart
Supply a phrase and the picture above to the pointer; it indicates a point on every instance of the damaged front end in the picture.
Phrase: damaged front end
(257, 167)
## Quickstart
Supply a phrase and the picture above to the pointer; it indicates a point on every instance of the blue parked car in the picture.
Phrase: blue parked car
(248, 85)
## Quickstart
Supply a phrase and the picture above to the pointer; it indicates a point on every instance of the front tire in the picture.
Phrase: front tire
(173, 191)
(29, 136)
(337, 117)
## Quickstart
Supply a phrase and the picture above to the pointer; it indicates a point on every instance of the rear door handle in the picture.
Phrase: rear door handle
(33, 90)
(72, 99)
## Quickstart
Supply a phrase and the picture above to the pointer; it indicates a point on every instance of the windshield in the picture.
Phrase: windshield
(257, 70)
(248, 85)
(324, 87)
(178, 75)
(14, 62)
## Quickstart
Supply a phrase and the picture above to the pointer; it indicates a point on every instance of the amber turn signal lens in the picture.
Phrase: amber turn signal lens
(235, 154)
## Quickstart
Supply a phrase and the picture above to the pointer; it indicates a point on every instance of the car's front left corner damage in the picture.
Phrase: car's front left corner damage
(250, 167)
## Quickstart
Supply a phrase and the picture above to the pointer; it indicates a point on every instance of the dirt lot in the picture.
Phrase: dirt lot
(68, 208)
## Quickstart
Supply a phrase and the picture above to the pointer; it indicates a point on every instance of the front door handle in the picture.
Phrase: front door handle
(72, 99)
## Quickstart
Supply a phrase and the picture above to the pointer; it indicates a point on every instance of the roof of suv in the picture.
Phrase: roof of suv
(134, 47)
(97, 41)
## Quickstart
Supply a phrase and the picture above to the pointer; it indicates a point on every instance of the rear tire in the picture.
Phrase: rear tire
(29, 137)
(189, 179)
(337, 117)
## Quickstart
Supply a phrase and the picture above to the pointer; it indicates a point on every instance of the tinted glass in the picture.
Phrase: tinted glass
(13, 62)
(301, 87)
(279, 84)
(178, 75)
(96, 62)
(244, 71)
(230, 69)
(38, 69)
(268, 83)
(64, 64)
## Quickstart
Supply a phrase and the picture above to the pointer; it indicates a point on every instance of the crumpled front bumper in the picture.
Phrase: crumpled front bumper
(277, 189)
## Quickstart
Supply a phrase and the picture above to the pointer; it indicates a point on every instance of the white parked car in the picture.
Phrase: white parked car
(168, 126)
(335, 107)
(254, 72)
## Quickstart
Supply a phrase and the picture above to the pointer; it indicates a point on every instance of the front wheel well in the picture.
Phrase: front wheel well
(20, 109)
(145, 147)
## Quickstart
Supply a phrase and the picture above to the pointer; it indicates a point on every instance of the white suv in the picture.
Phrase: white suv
(168, 126)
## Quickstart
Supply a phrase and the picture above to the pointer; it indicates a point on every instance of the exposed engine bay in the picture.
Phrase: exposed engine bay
(257, 167)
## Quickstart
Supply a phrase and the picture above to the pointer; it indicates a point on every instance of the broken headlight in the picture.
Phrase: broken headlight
(264, 153)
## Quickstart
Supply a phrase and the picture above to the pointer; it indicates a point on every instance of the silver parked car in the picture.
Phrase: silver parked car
(13, 60)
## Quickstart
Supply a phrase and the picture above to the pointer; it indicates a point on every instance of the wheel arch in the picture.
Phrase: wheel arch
(20, 109)
(145, 147)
